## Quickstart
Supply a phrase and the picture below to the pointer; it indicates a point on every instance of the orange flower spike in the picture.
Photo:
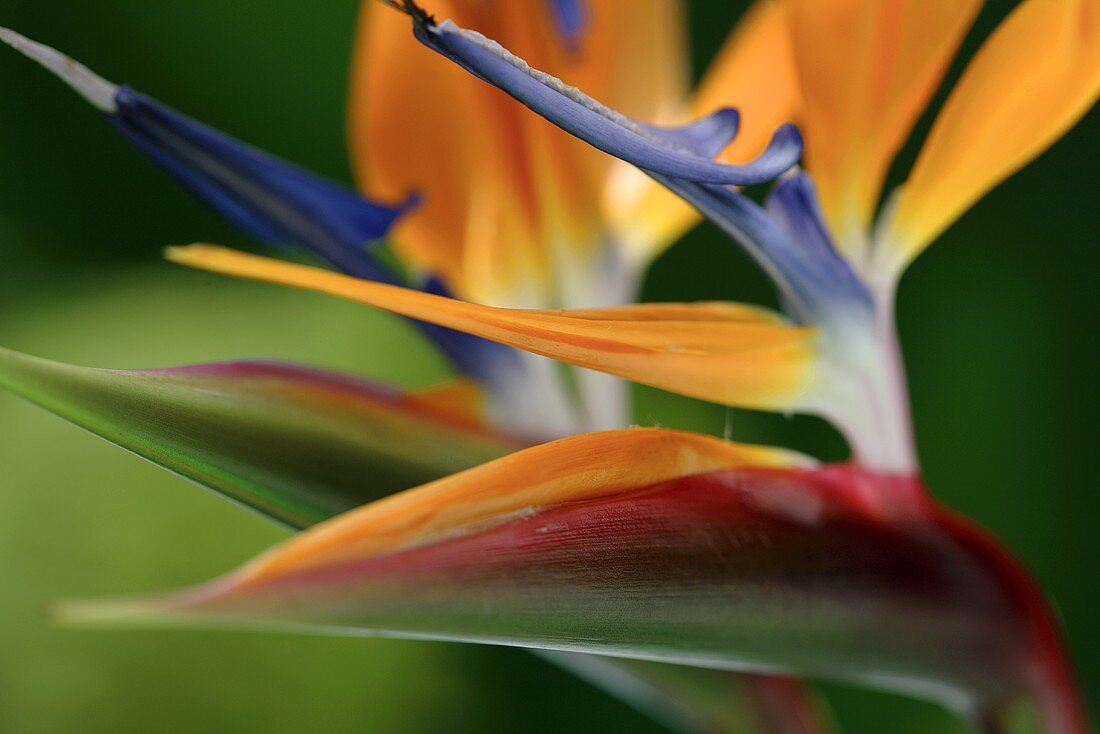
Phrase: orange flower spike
(727, 353)
(395, 145)
(754, 71)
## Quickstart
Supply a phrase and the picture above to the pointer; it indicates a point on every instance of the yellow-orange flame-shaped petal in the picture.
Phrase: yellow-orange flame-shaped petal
(398, 95)
(867, 70)
(573, 469)
(754, 72)
(1030, 82)
(726, 353)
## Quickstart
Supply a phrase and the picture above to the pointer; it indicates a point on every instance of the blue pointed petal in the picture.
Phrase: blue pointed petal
(571, 17)
(645, 146)
(706, 137)
(793, 203)
(280, 204)
(276, 202)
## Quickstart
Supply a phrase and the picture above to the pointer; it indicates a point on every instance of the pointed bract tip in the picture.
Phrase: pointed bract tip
(106, 612)
(175, 608)
(99, 92)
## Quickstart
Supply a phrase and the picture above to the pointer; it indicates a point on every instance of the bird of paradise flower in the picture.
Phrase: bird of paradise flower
(640, 544)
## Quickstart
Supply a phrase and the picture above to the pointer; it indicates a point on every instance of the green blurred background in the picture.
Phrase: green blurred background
(997, 323)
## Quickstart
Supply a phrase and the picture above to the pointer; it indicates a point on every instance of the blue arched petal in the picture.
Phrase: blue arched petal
(790, 242)
(646, 146)
(794, 205)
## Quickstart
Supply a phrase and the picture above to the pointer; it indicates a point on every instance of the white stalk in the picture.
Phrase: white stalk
(526, 397)
(99, 92)
(864, 388)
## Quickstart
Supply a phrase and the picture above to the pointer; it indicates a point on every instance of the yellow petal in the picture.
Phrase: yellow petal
(574, 469)
(754, 72)
(726, 353)
(1034, 78)
(867, 70)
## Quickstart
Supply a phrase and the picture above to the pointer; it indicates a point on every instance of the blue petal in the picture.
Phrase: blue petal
(812, 276)
(479, 358)
(571, 17)
(276, 202)
(793, 203)
(668, 153)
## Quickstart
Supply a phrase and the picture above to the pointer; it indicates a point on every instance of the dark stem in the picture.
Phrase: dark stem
(412, 9)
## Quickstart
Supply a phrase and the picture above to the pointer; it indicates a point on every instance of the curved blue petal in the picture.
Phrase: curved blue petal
(707, 137)
(792, 246)
(281, 204)
(669, 153)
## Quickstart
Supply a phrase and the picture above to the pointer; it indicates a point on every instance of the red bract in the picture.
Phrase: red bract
(835, 573)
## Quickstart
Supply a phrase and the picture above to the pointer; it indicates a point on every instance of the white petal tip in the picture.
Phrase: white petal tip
(99, 92)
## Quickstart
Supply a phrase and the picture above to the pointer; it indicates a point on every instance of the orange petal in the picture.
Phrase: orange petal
(419, 123)
(727, 353)
(395, 123)
(634, 58)
(754, 72)
(1034, 78)
(504, 190)
(586, 467)
(867, 70)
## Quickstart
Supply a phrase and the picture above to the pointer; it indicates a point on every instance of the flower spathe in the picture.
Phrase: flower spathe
(710, 554)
